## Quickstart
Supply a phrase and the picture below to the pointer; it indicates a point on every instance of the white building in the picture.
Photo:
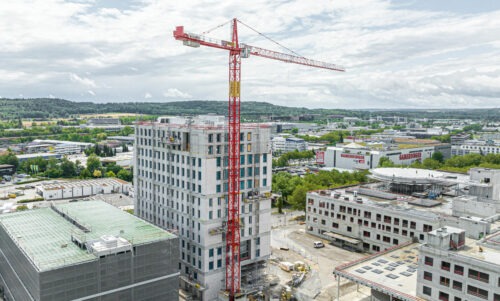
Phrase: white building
(82, 188)
(357, 156)
(382, 220)
(288, 144)
(475, 147)
(180, 179)
(454, 268)
(484, 194)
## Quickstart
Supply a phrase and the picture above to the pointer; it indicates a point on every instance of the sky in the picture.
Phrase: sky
(398, 54)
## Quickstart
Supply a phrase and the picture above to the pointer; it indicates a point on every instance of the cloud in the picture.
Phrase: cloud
(396, 55)
(175, 93)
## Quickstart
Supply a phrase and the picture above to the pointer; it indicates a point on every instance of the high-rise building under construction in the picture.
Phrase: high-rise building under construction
(181, 184)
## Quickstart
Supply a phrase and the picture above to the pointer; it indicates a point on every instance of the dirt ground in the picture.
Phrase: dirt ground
(320, 283)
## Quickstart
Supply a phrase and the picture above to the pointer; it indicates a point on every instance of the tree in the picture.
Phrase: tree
(97, 173)
(114, 168)
(93, 163)
(438, 156)
(9, 158)
(85, 174)
(124, 148)
(110, 174)
(68, 168)
(125, 175)
(298, 197)
(385, 162)
(21, 208)
(430, 163)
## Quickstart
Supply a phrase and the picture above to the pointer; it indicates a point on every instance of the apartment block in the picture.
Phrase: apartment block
(181, 183)
(454, 268)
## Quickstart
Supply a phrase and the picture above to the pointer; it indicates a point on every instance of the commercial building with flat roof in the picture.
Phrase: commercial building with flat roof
(86, 250)
(82, 188)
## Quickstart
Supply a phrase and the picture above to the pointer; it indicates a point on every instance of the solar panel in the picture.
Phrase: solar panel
(392, 276)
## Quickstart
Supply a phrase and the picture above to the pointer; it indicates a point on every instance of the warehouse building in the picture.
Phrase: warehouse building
(82, 188)
(180, 174)
(86, 250)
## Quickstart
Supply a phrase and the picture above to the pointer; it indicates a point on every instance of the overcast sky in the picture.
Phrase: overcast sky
(398, 54)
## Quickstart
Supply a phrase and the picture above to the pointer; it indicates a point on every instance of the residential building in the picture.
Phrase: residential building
(454, 268)
(86, 250)
(180, 174)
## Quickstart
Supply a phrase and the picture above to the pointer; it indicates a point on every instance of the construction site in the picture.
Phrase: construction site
(208, 180)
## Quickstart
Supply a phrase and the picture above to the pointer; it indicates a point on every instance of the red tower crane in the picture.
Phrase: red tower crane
(236, 52)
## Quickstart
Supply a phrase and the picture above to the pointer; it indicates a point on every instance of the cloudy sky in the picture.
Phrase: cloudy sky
(398, 54)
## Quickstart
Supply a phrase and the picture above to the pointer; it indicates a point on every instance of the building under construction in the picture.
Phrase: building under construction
(72, 251)
(181, 183)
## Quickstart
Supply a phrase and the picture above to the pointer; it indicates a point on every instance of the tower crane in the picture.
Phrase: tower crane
(237, 51)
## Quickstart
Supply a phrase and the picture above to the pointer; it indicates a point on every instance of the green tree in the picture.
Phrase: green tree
(9, 158)
(97, 173)
(385, 162)
(298, 198)
(93, 163)
(21, 208)
(68, 168)
(110, 174)
(438, 156)
(85, 174)
(125, 175)
(430, 163)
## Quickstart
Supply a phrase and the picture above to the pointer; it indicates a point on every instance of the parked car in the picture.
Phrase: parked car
(319, 244)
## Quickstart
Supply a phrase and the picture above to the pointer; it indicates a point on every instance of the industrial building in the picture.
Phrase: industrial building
(86, 250)
(7, 170)
(82, 188)
(180, 174)
(45, 156)
(59, 147)
(357, 156)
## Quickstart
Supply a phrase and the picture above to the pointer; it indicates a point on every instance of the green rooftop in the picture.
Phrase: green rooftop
(45, 236)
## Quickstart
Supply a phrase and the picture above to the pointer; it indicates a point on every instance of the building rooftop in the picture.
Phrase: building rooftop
(418, 176)
(402, 204)
(45, 236)
(393, 271)
(82, 183)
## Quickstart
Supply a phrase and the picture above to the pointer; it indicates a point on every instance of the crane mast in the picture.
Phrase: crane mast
(238, 51)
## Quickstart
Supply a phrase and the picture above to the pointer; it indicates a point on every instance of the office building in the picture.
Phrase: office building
(86, 250)
(180, 174)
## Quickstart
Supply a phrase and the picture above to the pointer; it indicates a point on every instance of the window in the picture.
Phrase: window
(427, 291)
(427, 276)
(444, 281)
(473, 274)
(429, 261)
(349, 229)
(249, 136)
(366, 234)
(249, 148)
(444, 296)
(211, 265)
(413, 225)
(335, 225)
(211, 253)
(264, 157)
(459, 270)
(478, 292)
(445, 266)
(457, 285)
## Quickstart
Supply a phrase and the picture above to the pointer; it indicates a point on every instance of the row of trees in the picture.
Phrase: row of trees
(282, 161)
(65, 168)
(293, 189)
(453, 164)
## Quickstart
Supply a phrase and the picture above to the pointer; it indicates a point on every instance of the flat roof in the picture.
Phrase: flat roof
(418, 176)
(36, 155)
(83, 183)
(45, 236)
(392, 272)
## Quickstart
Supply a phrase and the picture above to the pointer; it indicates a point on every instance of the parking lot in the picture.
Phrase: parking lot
(291, 243)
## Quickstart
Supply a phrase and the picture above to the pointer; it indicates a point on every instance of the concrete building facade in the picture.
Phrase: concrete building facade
(362, 224)
(180, 179)
(86, 250)
(452, 269)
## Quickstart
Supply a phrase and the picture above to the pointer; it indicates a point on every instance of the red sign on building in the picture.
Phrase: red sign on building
(320, 157)
(359, 157)
(410, 156)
